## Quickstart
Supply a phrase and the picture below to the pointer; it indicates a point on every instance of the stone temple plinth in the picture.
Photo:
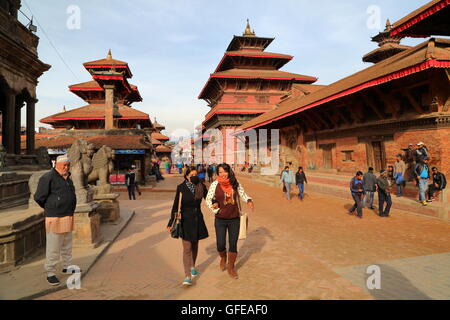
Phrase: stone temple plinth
(22, 234)
(87, 225)
(14, 190)
(109, 208)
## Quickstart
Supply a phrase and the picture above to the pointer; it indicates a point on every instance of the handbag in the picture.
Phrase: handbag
(176, 230)
(243, 224)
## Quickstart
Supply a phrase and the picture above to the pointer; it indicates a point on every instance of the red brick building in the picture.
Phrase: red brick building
(369, 117)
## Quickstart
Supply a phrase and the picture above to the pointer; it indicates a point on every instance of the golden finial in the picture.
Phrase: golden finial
(388, 25)
(64, 108)
(109, 56)
(248, 31)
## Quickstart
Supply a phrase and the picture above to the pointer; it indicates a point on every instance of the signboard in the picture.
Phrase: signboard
(57, 151)
(123, 151)
(117, 178)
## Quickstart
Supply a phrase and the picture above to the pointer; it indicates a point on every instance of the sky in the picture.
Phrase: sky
(172, 46)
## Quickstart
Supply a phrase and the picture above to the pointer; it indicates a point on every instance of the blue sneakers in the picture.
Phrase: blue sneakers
(194, 272)
(187, 282)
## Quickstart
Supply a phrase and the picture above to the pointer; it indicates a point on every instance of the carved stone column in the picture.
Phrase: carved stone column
(17, 125)
(30, 126)
(10, 107)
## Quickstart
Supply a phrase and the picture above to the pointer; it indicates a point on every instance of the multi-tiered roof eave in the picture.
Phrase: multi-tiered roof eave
(429, 20)
(104, 72)
(245, 59)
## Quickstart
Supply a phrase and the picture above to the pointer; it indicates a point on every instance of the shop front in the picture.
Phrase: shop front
(124, 160)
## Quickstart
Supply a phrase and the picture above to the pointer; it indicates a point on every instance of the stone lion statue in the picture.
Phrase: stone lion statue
(80, 154)
(102, 163)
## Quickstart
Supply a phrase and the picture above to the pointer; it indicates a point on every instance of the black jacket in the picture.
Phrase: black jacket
(418, 169)
(383, 185)
(440, 180)
(193, 225)
(56, 195)
(300, 178)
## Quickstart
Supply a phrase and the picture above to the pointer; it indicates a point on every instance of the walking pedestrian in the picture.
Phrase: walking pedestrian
(223, 199)
(439, 184)
(422, 171)
(384, 194)
(130, 182)
(287, 178)
(209, 171)
(369, 186)
(192, 191)
(56, 195)
(357, 190)
(300, 180)
(399, 174)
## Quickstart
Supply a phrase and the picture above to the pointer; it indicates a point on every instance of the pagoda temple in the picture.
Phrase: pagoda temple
(107, 119)
(247, 83)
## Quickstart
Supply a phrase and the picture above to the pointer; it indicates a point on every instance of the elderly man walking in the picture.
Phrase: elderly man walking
(56, 195)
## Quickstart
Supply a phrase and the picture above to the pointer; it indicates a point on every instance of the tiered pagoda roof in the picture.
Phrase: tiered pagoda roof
(104, 72)
(246, 59)
(388, 46)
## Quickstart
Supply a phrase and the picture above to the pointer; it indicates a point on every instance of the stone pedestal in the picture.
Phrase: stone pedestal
(108, 209)
(14, 190)
(87, 225)
(22, 234)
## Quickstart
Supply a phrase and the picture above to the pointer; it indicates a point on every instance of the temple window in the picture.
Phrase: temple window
(348, 156)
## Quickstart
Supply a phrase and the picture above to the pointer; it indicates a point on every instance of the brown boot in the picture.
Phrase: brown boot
(231, 260)
(223, 260)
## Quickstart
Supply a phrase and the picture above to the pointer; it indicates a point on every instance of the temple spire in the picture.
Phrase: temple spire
(109, 56)
(388, 25)
(248, 31)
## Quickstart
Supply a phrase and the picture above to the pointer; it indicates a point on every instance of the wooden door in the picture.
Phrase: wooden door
(379, 159)
(327, 157)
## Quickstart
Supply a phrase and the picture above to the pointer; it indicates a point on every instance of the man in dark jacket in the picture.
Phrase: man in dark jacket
(130, 182)
(357, 190)
(369, 185)
(56, 195)
(439, 184)
(384, 194)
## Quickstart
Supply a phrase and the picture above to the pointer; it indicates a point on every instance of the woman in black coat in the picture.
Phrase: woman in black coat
(194, 229)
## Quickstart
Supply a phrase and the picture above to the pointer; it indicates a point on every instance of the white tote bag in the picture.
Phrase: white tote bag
(244, 223)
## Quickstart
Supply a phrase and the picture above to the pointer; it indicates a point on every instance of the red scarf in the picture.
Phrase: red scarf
(226, 186)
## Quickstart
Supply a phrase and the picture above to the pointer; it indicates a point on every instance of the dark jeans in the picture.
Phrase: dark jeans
(131, 194)
(301, 190)
(382, 198)
(431, 190)
(224, 225)
(358, 204)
